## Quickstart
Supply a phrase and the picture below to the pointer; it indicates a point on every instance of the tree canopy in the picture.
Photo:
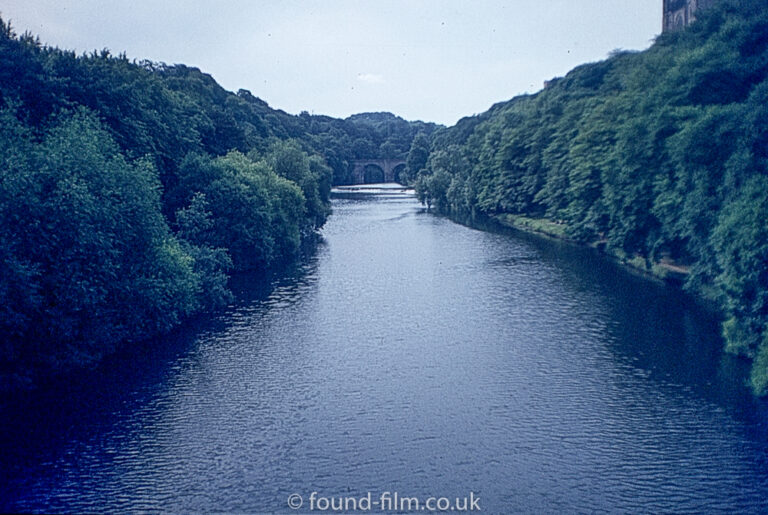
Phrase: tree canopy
(658, 156)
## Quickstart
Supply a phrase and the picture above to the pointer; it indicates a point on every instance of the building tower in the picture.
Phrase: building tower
(681, 13)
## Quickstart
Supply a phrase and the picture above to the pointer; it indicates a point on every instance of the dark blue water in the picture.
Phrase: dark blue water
(408, 354)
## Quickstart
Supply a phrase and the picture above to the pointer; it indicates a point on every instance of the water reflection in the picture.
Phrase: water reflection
(657, 329)
(410, 354)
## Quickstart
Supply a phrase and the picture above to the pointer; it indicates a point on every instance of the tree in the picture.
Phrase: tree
(311, 175)
(212, 265)
(257, 215)
(740, 241)
(417, 156)
(652, 156)
(88, 259)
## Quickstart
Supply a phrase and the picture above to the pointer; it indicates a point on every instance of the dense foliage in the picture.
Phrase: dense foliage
(660, 157)
(130, 191)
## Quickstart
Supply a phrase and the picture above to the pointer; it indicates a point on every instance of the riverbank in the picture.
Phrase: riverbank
(666, 270)
(30, 377)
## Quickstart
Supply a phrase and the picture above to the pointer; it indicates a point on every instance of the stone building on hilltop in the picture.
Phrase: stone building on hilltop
(681, 13)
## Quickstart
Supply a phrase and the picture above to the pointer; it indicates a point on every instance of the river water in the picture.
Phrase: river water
(408, 355)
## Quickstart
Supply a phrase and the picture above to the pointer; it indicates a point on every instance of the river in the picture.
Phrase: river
(413, 356)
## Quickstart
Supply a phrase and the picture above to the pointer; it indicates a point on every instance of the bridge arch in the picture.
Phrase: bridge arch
(397, 172)
(373, 173)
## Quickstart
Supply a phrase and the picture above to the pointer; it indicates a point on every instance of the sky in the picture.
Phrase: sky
(430, 60)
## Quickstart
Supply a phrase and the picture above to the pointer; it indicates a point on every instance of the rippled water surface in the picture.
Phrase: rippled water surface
(409, 354)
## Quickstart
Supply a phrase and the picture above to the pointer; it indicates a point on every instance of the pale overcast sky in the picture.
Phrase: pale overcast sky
(432, 60)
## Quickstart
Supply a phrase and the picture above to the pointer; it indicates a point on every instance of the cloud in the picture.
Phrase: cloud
(370, 78)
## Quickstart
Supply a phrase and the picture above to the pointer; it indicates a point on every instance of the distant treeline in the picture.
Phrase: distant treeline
(660, 157)
(130, 191)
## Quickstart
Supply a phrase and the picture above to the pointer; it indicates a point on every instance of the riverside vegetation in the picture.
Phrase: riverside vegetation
(660, 157)
(130, 191)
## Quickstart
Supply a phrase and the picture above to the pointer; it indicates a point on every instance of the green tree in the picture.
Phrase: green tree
(212, 265)
(417, 156)
(740, 241)
(257, 215)
(88, 258)
(311, 175)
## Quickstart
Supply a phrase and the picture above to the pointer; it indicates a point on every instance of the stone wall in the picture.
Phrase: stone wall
(681, 13)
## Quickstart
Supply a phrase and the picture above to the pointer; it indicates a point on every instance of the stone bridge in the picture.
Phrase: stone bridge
(369, 171)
